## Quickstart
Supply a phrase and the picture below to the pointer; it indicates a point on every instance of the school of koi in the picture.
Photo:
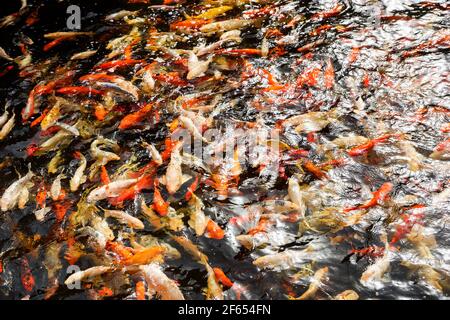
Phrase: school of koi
(340, 190)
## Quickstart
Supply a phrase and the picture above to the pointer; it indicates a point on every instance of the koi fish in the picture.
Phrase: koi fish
(296, 195)
(110, 190)
(174, 173)
(214, 231)
(423, 242)
(112, 65)
(120, 14)
(190, 126)
(83, 55)
(252, 241)
(191, 248)
(79, 90)
(23, 198)
(378, 196)
(408, 221)
(196, 68)
(123, 252)
(282, 260)
(140, 290)
(311, 167)
(27, 278)
(213, 291)
(347, 295)
(221, 277)
(191, 189)
(365, 148)
(308, 122)
(11, 195)
(148, 83)
(125, 218)
(7, 127)
(61, 209)
(88, 273)
(145, 256)
(133, 119)
(4, 116)
(213, 12)
(377, 270)
(157, 280)
(316, 283)
(112, 81)
(336, 10)
(190, 25)
(78, 177)
(198, 221)
(55, 189)
(226, 25)
(350, 141)
(436, 278)
(441, 151)
(161, 206)
(104, 177)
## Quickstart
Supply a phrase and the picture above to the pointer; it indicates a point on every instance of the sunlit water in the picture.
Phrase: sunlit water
(391, 75)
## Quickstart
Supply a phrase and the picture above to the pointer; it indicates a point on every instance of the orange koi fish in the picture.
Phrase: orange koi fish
(378, 196)
(98, 77)
(191, 189)
(312, 168)
(220, 183)
(443, 40)
(41, 196)
(222, 278)
(79, 90)
(144, 182)
(329, 13)
(140, 290)
(191, 24)
(172, 78)
(354, 54)
(161, 206)
(61, 210)
(122, 251)
(128, 51)
(73, 252)
(214, 231)
(368, 146)
(54, 43)
(372, 251)
(42, 89)
(240, 52)
(320, 29)
(409, 220)
(446, 128)
(308, 77)
(27, 277)
(145, 256)
(117, 64)
(31, 149)
(134, 118)
(366, 80)
(104, 176)
(105, 292)
(262, 226)
(257, 13)
(39, 119)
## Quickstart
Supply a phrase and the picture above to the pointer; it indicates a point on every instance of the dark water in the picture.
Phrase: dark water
(391, 75)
